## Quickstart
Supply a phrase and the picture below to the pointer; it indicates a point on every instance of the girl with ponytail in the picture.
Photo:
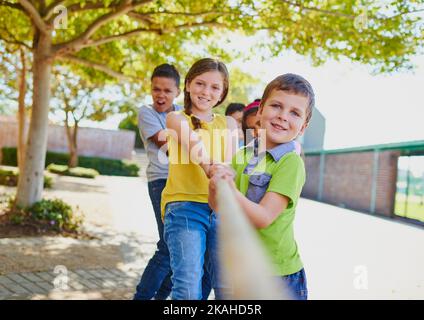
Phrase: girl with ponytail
(197, 139)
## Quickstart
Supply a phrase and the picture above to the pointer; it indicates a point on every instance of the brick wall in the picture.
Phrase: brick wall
(348, 180)
(310, 190)
(114, 144)
(386, 182)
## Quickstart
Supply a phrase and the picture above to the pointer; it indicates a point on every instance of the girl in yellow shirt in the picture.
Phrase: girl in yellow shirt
(197, 138)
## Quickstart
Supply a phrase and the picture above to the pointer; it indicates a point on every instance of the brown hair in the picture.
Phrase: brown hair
(292, 83)
(199, 67)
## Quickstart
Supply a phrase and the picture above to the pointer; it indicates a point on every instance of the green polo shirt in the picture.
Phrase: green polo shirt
(281, 170)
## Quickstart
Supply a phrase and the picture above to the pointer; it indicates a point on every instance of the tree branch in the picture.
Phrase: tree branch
(11, 5)
(17, 42)
(6, 59)
(403, 13)
(332, 13)
(97, 66)
(188, 14)
(50, 9)
(194, 25)
(140, 16)
(76, 44)
(97, 42)
(34, 15)
(13, 39)
(90, 6)
(158, 31)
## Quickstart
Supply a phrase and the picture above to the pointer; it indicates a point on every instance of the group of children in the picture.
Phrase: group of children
(266, 178)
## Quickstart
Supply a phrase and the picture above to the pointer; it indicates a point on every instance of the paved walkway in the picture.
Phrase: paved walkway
(59, 282)
(118, 213)
(347, 255)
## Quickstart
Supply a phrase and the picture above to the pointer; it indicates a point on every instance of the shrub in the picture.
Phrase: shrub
(83, 172)
(104, 166)
(10, 178)
(73, 172)
(9, 157)
(57, 168)
(55, 215)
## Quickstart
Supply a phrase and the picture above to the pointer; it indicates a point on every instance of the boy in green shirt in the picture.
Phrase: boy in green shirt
(268, 182)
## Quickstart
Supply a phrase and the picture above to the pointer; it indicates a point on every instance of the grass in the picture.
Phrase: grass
(414, 208)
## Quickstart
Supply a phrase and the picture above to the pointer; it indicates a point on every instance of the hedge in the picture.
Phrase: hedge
(10, 178)
(111, 167)
(73, 172)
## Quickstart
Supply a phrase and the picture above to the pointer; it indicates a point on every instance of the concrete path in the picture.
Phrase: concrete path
(351, 255)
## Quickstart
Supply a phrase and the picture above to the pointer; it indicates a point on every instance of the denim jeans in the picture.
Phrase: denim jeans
(297, 285)
(190, 233)
(156, 279)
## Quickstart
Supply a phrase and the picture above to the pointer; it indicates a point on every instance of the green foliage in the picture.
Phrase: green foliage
(130, 123)
(104, 166)
(73, 172)
(48, 215)
(56, 213)
(10, 178)
(9, 156)
(48, 182)
(383, 34)
(110, 167)
(242, 89)
(57, 168)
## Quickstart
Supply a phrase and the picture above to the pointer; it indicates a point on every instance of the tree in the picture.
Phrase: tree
(14, 65)
(79, 99)
(242, 86)
(123, 39)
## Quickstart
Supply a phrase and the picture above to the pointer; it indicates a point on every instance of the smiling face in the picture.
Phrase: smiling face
(164, 91)
(283, 116)
(253, 122)
(205, 91)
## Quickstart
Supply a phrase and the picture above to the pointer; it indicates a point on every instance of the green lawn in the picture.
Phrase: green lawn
(414, 209)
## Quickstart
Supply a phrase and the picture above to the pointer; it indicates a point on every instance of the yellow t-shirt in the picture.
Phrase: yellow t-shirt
(186, 180)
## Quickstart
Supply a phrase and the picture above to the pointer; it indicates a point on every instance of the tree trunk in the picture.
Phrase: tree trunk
(21, 113)
(30, 187)
(71, 134)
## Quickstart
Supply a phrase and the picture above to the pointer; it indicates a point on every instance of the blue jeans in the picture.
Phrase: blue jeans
(297, 285)
(190, 233)
(156, 279)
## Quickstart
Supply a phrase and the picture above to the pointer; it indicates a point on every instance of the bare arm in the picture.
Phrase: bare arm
(232, 138)
(159, 138)
(262, 214)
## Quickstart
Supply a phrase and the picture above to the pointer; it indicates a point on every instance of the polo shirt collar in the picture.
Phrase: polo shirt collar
(277, 152)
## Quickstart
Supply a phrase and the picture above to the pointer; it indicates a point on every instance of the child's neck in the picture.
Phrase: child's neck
(206, 116)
